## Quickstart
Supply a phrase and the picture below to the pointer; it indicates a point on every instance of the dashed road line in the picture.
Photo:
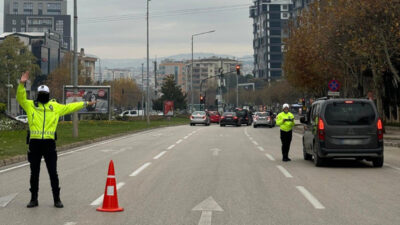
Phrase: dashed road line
(310, 197)
(70, 223)
(140, 169)
(179, 141)
(255, 143)
(99, 200)
(171, 147)
(270, 157)
(391, 166)
(285, 172)
(261, 148)
(185, 137)
(159, 155)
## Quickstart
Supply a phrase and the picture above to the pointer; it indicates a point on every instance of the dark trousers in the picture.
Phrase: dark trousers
(286, 139)
(37, 150)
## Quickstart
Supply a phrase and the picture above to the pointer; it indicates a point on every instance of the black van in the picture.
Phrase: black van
(343, 128)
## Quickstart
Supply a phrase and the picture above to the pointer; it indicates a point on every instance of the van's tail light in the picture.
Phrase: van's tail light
(321, 130)
(379, 126)
(235, 117)
(222, 117)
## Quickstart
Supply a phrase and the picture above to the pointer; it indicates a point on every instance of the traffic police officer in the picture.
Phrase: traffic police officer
(285, 120)
(43, 115)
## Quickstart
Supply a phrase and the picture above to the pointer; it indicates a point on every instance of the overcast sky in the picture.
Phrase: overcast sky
(117, 28)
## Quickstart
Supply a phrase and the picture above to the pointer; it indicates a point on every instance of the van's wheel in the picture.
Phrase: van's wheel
(318, 161)
(377, 162)
(306, 156)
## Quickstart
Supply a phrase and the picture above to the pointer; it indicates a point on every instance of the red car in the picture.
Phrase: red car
(214, 116)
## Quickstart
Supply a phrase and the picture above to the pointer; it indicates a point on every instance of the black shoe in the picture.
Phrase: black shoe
(285, 159)
(58, 204)
(33, 203)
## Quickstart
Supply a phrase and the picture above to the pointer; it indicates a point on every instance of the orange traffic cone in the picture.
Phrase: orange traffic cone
(110, 201)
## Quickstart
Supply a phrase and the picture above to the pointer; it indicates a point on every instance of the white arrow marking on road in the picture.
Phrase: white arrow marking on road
(215, 151)
(7, 199)
(207, 206)
(99, 200)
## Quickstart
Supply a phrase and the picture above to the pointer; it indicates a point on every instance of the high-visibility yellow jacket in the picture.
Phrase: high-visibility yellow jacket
(43, 118)
(285, 126)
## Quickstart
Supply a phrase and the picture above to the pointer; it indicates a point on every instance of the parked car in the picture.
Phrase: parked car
(22, 118)
(264, 119)
(131, 113)
(215, 117)
(245, 116)
(199, 117)
(343, 128)
(229, 118)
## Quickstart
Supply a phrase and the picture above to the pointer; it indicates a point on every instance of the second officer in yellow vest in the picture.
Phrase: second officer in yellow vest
(285, 120)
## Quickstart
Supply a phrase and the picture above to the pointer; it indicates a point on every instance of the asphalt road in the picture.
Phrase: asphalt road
(206, 175)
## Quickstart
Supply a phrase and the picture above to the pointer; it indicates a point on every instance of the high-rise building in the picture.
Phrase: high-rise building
(38, 16)
(298, 6)
(270, 28)
(177, 69)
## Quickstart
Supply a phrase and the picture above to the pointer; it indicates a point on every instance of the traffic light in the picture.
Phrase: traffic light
(201, 99)
(238, 69)
(303, 101)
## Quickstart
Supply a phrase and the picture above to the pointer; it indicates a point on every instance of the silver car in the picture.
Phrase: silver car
(199, 117)
(263, 119)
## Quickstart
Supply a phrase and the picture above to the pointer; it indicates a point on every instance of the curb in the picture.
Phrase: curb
(22, 158)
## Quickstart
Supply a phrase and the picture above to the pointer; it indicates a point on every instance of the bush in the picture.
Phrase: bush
(2, 108)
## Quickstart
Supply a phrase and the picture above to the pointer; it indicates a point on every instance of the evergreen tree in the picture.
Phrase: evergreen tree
(170, 92)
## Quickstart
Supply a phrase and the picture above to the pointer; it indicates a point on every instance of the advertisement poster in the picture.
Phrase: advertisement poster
(168, 108)
(100, 94)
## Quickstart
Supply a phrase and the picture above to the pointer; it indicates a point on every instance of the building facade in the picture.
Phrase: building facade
(115, 74)
(270, 28)
(46, 47)
(38, 16)
(175, 68)
(88, 63)
(298, 6)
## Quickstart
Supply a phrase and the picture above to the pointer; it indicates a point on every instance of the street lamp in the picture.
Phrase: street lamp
(191, 70)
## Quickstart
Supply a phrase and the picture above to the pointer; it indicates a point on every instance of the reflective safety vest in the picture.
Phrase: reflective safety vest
(43, 118)
(285, 126)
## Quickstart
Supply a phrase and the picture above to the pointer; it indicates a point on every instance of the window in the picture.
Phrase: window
(14, 29)
(28, 8)
(285, 7)
(275, 49)
(60, 26)
(276, 65)
(275, 57)
(358, 113)
(274, 15)
(22, 29)
(275, 40)
(274, 8)
(14, 22)
(275, 24)
(276, 73)
(53, 8)
(15, 7)
(275, 32)
(285, 15)
(22, 22)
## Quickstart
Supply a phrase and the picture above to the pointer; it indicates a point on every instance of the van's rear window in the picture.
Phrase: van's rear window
(357, 113)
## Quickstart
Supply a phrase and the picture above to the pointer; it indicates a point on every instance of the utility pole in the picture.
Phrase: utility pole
(142, 93)
(148, 85)
(155, 76)
(75, 115)
(237, 90)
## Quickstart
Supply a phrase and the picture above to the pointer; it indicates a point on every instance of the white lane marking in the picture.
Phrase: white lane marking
(310, 198)
(254, 142)
(298, 135)
(70, 223)
(185, 137)
(190, 134)
(99, 200)
(7, 199)
(391, 166)
(270, 157)
(159, 155)
(250, 138)
(179, 141)
(261, 148)
(170, 147)
(119, 151)
(285, 172)
(14, 167)
(81, 149)
(134, 174)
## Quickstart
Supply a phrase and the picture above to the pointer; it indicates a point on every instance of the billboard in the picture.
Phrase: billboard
(100, 94)
(168, 108)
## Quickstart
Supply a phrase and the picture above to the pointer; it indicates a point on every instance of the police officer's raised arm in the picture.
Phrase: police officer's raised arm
(21, 92)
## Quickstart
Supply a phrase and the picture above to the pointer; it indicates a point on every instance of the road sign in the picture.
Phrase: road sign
(334, 93)
(334, 85)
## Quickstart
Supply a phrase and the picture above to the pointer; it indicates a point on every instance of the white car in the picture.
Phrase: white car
(131, 113)
(22, 118)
